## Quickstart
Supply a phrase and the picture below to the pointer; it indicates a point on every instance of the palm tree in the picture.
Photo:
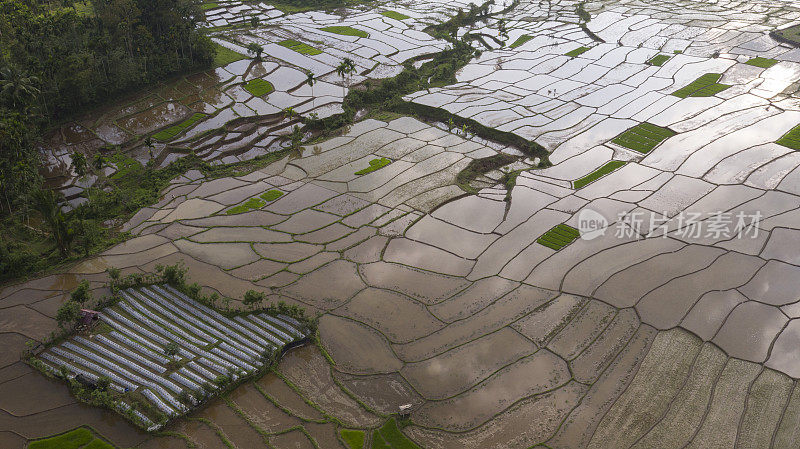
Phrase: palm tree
(310, 81)
(345, 68)
(16, 88)
(255, 49)
(46, 202)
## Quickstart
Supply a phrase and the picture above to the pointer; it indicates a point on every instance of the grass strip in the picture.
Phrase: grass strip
(299, 47)
(70, 440)
(597, 174)
(704, 86)
(521, 40)
(345, 31)
(170, 133)
(658, 60)
(577, 52)
(395, 15)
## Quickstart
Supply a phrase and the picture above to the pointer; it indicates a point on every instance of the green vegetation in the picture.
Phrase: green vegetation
(395, 15)
(577, 52)
(255, 203)
(478, 167)
(81, 59)
(375, 164)
(259, 87)
(70, 440)
(353, 438)
(224, 56)
(764, 63)
(597, 174)
(643, 137)
(791, 139)
(521, 40)
(209, 5)
(345, 31)
(790, 35)
(705, 86)
(251, 204)
(389, 436)
(659, 60)
(97, 443)
(271, 195)
(558, 237)
(303, 49)
(170, 133)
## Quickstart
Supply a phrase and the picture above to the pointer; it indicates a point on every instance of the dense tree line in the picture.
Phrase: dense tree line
(58, 58)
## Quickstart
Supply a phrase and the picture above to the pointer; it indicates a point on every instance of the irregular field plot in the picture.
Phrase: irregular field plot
(71, 440)
(395, 15)
(558, 237)
(521, 40)
(658, 60)
(259, 87)
(208, 350)
(299, 47)
(375, 164)
(577, 52)
(764, 63)
(643, 137)
(705, 86)
(255, 203)
(390, 437)
(597, 174)
(353, 438)
(172, 131)
(791, 139)
(345, 31)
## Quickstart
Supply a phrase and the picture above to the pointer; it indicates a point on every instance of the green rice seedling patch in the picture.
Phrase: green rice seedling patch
(224, 56)
(577, 52)
(521, 40)
(170, 133)
(209, 5)
(353, 438)
(256, 202)
(791, 139)
(704, 86)
(375, 164)
(271, 195)
(764, 63)
(345, 31)
(303, 49)
(643, 137)
(597, 174)
(70, 440)
(395, 15)
(558, 237)
(259, 87)
(251, 204)
(125, 165)
(659, 60)
(97, 443)
(389, 436)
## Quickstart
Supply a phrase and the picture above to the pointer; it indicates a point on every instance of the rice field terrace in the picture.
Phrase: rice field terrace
(556, 225)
